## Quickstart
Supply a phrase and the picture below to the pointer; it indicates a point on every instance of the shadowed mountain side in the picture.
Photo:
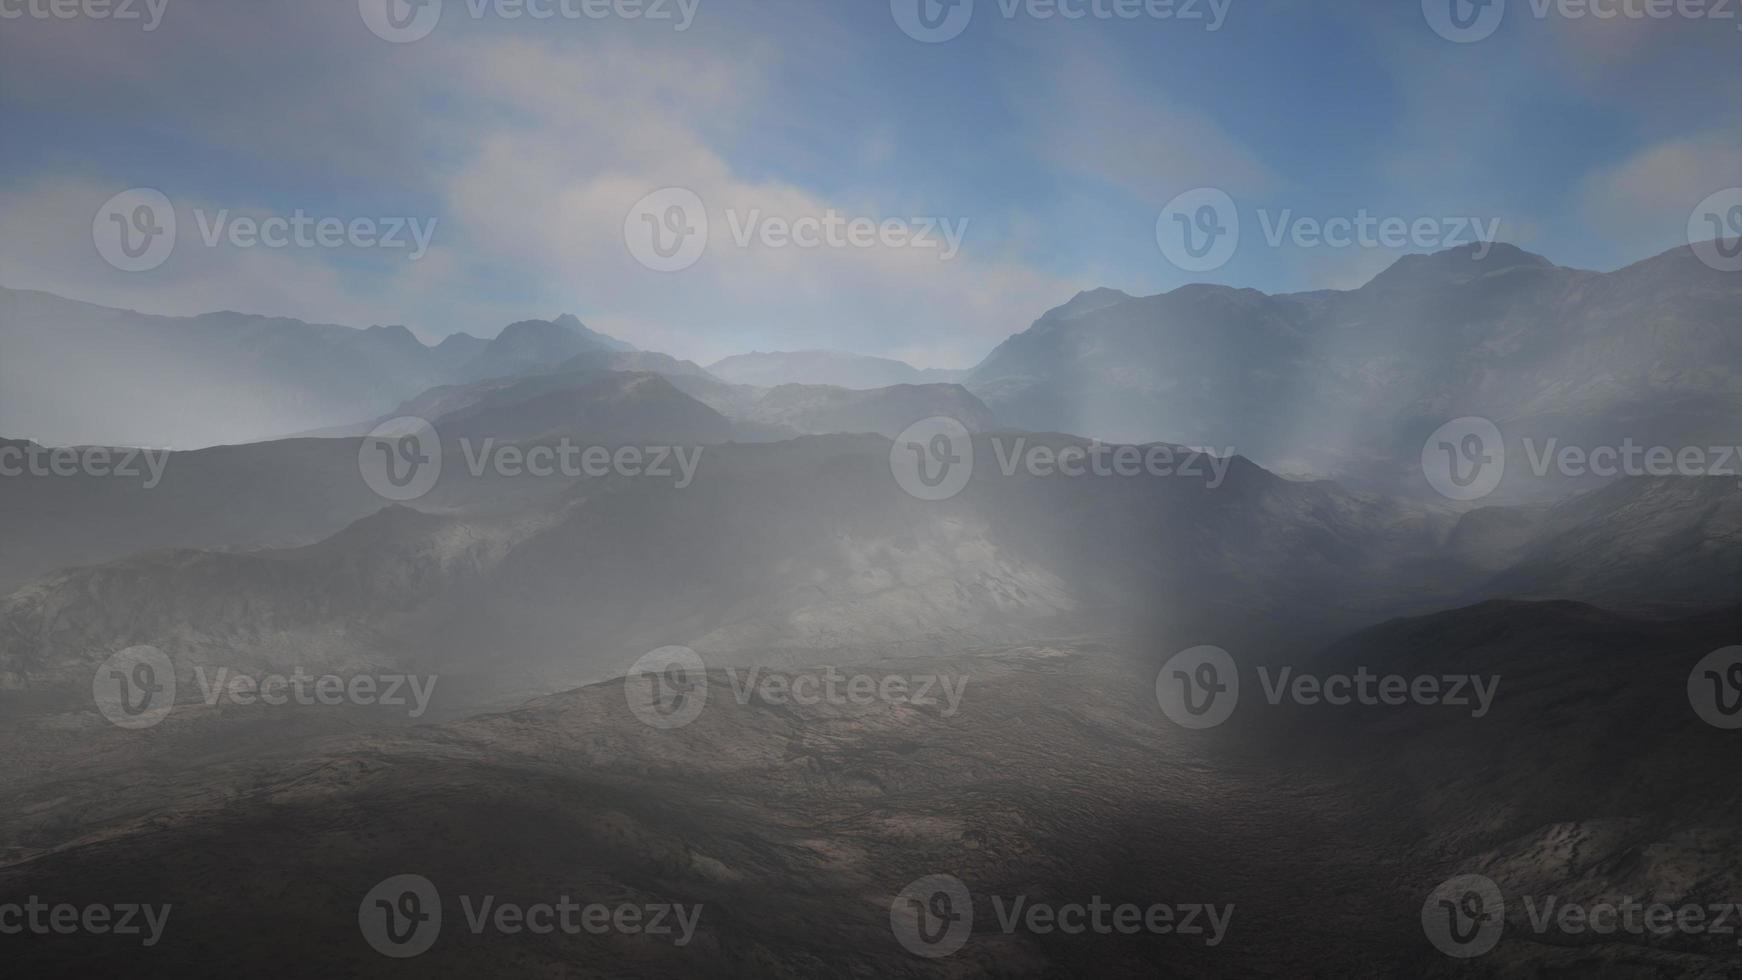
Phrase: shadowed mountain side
(795, 825)
(757, 414)
(773, 550)
(1590, 778)
(1657, 544)
(341, 605)
(819, 410)
(631, 407)
(503, 392)
(296, 491)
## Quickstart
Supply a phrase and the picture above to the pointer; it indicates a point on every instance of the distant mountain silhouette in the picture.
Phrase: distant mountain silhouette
(75, 373)
(1350, 384)
(825, 367)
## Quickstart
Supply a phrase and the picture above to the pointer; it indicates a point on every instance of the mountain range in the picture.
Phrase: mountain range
(1349, 384)
(1330, 384)
(790, 540)
(825, 367)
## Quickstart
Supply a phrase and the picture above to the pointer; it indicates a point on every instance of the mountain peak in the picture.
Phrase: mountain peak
(1087, 301)
(1453, 266)
(569, 321)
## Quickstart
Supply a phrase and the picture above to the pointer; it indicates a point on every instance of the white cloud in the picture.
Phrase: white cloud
(1648, 197)
(1093, 121)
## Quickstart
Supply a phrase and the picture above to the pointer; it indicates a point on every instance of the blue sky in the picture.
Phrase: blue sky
(1058, 142)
